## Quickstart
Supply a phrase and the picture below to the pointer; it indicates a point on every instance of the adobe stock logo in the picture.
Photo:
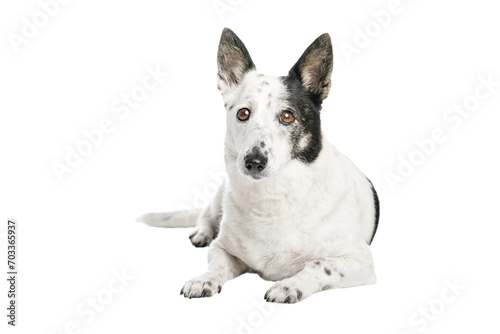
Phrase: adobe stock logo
(364, 35)
(222, 7)
(31, 27)
(255, 319)
(453, 118)
(426, 315)
(122, 107)
(88, 310)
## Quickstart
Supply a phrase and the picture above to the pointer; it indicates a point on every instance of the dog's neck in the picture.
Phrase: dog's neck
(296, 182)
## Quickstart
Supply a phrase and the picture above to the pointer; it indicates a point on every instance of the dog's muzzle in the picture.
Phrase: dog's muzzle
(255, 162)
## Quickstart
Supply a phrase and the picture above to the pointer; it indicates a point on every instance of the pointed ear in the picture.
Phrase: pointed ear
(314, 68)
(233, 60)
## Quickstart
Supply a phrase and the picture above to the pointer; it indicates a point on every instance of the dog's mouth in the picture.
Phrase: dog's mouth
(254, 174)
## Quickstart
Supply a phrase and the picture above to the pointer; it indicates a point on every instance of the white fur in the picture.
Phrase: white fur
(305, 225)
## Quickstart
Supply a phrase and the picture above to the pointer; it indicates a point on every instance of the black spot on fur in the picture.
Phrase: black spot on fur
(231, 107)
(376, 203)
(307, 120)
(317, 263)
(219, 289)
(328, 271)
(262, 144)
(341, 275)
(299, 294)
(326, 287)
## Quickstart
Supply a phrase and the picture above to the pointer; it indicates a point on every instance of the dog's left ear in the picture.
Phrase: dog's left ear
(233, 60)
(314, 68)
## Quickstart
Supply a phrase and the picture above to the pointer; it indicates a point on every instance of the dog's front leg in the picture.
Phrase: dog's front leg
(222, 267)
(323, 274)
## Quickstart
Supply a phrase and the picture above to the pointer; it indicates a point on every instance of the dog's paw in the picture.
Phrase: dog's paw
(285, 291)
(200, 238)
(201, 287)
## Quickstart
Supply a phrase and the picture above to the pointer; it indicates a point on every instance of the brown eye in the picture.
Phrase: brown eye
(243, 114)
(286, 117)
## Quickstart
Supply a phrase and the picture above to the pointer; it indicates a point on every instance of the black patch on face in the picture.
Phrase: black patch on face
(376, 203)
(307, 120)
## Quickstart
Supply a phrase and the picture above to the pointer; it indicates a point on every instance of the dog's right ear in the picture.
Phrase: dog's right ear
(233, 61)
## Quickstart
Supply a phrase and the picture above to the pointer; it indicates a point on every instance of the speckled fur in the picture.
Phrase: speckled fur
(307, 222)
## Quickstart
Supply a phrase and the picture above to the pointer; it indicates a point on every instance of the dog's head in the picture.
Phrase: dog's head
(272, 120)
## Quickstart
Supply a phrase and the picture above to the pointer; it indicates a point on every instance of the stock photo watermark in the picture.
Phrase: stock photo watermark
(255, 319)
(364, 35)
(33, 24)
(222, 7)
(88, 310)
(11, 239)
(420, 320)
(204, 195)
(453, 118)
(121, 107)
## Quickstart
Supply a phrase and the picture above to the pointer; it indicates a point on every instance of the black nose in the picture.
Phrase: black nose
(255, 162)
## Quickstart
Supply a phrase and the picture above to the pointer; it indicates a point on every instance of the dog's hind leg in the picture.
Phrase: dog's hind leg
(222, 267)
(352, 269)
(207, 224)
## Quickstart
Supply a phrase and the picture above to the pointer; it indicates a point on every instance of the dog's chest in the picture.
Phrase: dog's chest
(276, 245)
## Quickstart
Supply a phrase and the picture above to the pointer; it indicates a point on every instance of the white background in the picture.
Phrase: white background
(440, 225)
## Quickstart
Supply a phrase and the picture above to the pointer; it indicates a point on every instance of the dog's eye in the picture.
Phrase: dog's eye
(286, 117)
(243, 114)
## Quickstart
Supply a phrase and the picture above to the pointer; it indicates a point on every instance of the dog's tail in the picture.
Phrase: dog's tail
(183, 218)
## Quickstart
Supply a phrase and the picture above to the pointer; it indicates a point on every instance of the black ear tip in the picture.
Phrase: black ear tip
(227, 32)
(325, 39)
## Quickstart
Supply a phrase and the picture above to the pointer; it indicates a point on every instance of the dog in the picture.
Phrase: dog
(293, 209)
